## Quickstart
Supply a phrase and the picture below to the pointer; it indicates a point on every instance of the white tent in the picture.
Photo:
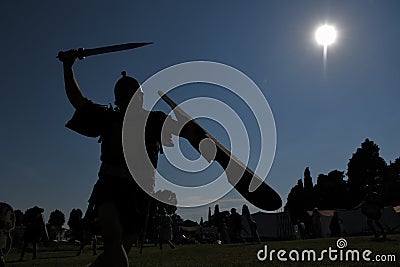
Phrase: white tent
(353, 222)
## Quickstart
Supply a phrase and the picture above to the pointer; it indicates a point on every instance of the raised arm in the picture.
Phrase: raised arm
(72, 89)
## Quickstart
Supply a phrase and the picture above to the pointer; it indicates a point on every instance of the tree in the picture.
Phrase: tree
(166, 201)
(295, 202)
(75, 223)
(331, 190)
(169, 201)
(391, 184)
(176, 219)
(55, 223)
(216, 217)
(216, 210)
(363, 168)
(57, 218)
(19, 216)
(308, 192)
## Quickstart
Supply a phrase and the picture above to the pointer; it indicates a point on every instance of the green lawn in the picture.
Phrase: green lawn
(218, 255)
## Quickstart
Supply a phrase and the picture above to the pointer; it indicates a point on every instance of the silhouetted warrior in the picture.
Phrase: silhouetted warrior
(35, 230)
(121, 205)
(164, 225)
(252, 223)
(371, 208)
(235, 226)
(7, 223)
(334, 225)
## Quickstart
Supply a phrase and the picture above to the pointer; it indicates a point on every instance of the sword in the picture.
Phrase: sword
(81, 53)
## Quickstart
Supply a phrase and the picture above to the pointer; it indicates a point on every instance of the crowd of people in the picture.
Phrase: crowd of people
(29, 229)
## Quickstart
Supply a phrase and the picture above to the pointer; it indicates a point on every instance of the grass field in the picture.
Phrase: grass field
(220, 255)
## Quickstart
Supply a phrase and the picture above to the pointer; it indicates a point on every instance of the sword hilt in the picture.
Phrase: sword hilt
(77, 53)
(81, 54)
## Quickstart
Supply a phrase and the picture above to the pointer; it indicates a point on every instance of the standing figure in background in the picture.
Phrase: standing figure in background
(334, 225)
(252, 223)
(316, 223)
(371, 208)
(7, 224)
(35, 230)
(302, 229)
(235, 226)
(164, 226)
(87, 231)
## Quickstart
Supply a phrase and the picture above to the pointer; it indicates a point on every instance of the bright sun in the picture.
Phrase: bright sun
(325, 35)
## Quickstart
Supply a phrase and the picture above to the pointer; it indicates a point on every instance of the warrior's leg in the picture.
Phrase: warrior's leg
(34, 248)
(114, 253)
(371, 227)
(381, 228)
(94, 245)
(257, 236)
(128, 240)
(24, 246)
(81, 248)
(2, 263)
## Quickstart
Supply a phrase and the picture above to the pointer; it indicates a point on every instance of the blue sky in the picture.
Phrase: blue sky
(321, 115)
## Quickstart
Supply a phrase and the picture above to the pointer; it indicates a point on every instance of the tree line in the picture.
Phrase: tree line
(54, 224)
(366, 170)
(57, 218)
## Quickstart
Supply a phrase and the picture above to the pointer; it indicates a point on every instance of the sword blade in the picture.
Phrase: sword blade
(109, 49)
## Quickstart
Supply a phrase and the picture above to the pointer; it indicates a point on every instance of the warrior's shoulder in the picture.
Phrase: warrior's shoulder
(91, 119)
(90, 105)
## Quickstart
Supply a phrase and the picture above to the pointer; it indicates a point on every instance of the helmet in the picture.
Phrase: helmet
(125, 88)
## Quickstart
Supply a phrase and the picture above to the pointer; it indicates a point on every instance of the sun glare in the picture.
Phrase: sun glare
(325, 35)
